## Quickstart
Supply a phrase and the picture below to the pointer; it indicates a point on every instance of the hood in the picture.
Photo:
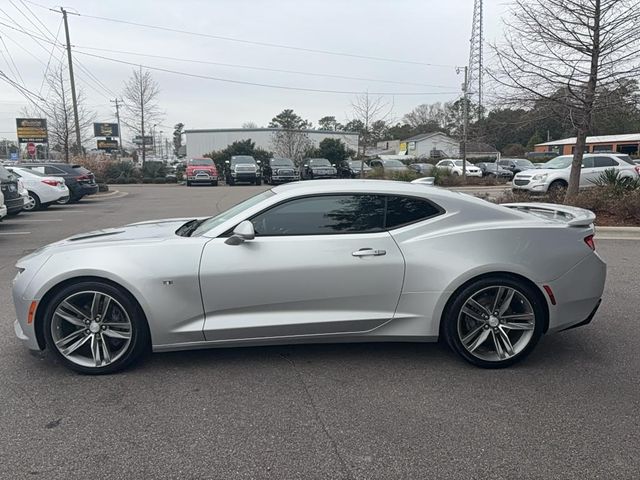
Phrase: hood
(149, 231)
(208, 168)
(538, 171)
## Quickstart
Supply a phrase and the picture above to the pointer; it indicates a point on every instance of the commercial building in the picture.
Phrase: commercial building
(628, 143)
(437, 145)
(199, 142)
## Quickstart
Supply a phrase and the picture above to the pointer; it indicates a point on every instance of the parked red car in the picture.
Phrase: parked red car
(201, 170)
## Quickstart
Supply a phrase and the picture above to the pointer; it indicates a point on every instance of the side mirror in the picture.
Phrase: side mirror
(258, 161)
(243, 231)
(226, 161)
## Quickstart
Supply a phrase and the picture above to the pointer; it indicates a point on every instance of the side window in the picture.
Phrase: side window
(600, 162)
(323, 215)
(587, 162)
(405, 210)
(51, 170)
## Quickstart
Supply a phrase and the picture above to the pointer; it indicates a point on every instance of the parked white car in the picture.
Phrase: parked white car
(3, 208)
(555, 175)
(40, 190)
(455, 168)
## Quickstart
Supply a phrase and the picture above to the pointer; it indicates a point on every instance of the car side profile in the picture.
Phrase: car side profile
(388, 165)
(42, 190)
(516, 165)
(316, 261)
(454, 167)
(555, 175)
(79, 180)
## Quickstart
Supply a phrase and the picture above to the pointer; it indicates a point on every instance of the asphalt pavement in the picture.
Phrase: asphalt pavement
(367, 411)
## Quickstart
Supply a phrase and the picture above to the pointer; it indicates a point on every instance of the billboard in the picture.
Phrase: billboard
(107, 145)
(105, 130)
(148, 140)
(32, 130)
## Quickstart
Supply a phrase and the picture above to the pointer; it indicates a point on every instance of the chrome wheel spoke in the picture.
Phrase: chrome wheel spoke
(528, 317)
(467, 311)
(69, 318)
(506, 301)
(106, 354)
(484, 334)
(472, 302)
(76, 345)
(518, 326)
(506, 342)
(466, 340)
(63, 342)
(124, 335)
(72, 308)
(96, 350)
(496, 343)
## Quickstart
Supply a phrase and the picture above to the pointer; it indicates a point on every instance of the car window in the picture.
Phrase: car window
(587, 162)
(51, 170)
(405, 210)
(323, 215)
(625, 158)
(600, 162)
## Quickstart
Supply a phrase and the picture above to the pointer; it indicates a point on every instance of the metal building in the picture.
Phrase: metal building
(200, 142)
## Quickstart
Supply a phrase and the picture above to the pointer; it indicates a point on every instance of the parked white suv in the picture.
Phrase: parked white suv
(455, 168)
(3, 208)
(555, 175)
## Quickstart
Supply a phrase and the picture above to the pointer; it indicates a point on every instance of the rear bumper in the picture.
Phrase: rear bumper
(14, 205)
(578, 294)
(587, 320)
(82, 190)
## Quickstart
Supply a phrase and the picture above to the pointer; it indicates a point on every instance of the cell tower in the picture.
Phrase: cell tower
(474, 80)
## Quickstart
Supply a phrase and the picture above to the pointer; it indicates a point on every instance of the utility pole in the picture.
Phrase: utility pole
(72, 81)
(465, 122)
(119, 129)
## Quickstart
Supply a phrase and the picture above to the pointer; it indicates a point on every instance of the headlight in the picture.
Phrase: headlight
(541, 177)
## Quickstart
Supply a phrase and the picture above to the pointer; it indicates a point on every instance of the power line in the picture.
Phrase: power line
(253, 42)
(256, 84)
(53, 47)
(264, 69)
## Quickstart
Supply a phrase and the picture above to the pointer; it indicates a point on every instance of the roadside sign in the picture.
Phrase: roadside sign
(32, 130)
(107, 145)
(31, 149)
(148, 140)
(14, 156)
(105, 130)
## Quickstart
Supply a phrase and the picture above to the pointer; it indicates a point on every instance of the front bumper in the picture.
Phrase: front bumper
(245, 177)
(285, 178)
(14, 205)
(203, 178)
(3, 211)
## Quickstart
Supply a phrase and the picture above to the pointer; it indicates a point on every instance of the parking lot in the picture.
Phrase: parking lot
(571, 410)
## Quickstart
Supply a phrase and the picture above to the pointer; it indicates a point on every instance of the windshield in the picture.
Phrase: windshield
(458, 163)
(559, 163)
(201, 162)
(393, 163)
(232, 212)
(523, 163)
(281, 162)
(319, 162)
(242, 159)
(356, 164)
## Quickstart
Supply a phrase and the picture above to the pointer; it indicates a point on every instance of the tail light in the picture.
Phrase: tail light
(637, 167)
(83, 177)
(53, 183)
(591, 243)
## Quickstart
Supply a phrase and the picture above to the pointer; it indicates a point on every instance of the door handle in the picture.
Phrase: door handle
(368, 252)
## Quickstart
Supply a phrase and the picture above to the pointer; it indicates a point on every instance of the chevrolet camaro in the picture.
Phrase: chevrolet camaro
(313, 262)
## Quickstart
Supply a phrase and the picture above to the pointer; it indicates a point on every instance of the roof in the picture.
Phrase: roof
(423, 136)
(245, 130)
(629, 137)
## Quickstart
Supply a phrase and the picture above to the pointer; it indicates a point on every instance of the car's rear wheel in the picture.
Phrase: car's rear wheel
(33, 202)
(494, 322)
(95, 328)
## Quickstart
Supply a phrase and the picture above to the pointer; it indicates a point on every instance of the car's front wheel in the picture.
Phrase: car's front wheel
(95, 328)
(494, 322)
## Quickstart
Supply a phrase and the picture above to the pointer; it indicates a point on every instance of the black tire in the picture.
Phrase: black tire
(231, 182)
(456, 174)
(450, 320)
(44, 206)
(214, 183)
(140, 338)
(557, 187)
(258, 181)
(14, 213)
(37, 205)
(188, 183)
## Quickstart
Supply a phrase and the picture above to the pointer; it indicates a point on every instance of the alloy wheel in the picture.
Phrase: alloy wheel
(496, 323)
(31, 203)
(91, 329)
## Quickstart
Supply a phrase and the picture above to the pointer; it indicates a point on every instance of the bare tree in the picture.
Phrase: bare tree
(366, 112)
(568, 52)
(291, 139)
(431, 115)
(58, 109)
(141, 93)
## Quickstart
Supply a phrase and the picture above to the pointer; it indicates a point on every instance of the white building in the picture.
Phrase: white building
(431, 145)
(200, 142)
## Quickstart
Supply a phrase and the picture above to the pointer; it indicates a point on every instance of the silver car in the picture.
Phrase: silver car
(311, 262)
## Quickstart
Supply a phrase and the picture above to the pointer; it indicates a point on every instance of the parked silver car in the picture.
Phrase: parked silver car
(555, 175)
(316, 261)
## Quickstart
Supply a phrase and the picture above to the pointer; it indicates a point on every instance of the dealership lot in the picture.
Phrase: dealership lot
(321, 411)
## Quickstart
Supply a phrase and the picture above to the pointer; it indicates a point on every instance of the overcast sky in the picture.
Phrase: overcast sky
(426, 31)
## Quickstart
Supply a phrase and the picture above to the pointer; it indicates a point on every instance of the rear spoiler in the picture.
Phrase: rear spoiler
(573, 216)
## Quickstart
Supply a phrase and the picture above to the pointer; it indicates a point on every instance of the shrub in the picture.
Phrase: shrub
(154, 169)
(147, 180)
(171, 179)
(160, 180)
(103, 187)
(615, 183)
(122, 170)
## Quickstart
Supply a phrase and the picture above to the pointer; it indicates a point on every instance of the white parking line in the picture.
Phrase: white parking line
(15, 233)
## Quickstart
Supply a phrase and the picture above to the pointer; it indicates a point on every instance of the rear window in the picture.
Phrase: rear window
(405, 210)
(80, 170)
(600, 162)
(625, 159)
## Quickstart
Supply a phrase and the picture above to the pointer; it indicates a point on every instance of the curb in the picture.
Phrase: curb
(110, 193)
(617, 233)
